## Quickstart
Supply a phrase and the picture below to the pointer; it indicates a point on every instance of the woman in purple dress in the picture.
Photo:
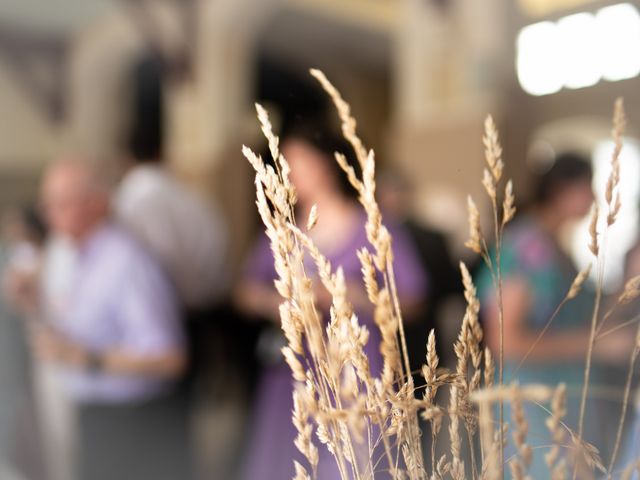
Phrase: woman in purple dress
(339, 233)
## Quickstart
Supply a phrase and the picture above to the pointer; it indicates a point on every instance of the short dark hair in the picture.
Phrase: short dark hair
(145, 138)
(568, 168)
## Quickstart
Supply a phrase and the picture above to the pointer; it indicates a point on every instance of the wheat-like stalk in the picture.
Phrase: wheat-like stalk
(556, 464)
(631, 291)
(521, 462)
(366, 421)
(625, 402)
(492, 175)
(612, 198)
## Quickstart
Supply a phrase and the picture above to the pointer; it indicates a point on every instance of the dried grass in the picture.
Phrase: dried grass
(370, 422)
(612, 198)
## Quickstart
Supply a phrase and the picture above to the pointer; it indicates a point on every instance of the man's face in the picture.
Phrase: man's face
(71, 205)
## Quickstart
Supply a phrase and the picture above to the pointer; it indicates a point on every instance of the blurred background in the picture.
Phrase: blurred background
(420, 75)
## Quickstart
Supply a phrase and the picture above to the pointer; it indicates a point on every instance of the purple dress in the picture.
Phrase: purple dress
(271, 450)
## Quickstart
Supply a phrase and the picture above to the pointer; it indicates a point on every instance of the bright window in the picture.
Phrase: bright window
(619, 36)
(579, 50)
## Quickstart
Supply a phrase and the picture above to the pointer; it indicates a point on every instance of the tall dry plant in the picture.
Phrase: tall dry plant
(491, 181)
(369, 423)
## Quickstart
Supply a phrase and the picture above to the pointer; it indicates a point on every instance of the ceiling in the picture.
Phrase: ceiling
(51, 16)
(298, 35)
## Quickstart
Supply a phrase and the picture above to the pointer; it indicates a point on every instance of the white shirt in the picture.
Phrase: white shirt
(58, 274)
(56, 410)
(186, 235)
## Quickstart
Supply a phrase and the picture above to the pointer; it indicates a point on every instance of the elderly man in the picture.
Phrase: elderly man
(119, 340)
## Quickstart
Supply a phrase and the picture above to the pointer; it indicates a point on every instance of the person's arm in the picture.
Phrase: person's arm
(144, 309)
(519, 338)
(520, 342)
(21, 292)
(411, 278)
(170, 364)
(255, 294)
(52, 346)
(258, 299)
(153, 340)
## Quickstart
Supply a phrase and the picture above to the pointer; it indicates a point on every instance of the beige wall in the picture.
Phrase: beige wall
(447, 78)
(420, 100)
(100, 59)
(27, 140)
(424, 83)
(27, 136)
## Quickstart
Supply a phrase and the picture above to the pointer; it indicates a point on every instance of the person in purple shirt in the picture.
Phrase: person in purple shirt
(339, 233)
(119, 342)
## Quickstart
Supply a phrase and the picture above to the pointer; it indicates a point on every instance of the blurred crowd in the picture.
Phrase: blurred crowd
(121, 313)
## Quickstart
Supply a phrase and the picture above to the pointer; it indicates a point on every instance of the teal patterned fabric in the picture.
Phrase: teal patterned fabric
(532, 254)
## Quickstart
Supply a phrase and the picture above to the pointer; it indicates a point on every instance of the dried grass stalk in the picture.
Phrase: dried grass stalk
(577, 283)
(557, 465)
(475, 242)
(612, 195)
(625, 403)
(520, 464)
(613, 206)
(491, 178)
(353, 414)
(631, 291)
(593, 231)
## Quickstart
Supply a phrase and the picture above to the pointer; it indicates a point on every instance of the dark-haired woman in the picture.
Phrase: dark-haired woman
(338, 233)
(537, 274)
